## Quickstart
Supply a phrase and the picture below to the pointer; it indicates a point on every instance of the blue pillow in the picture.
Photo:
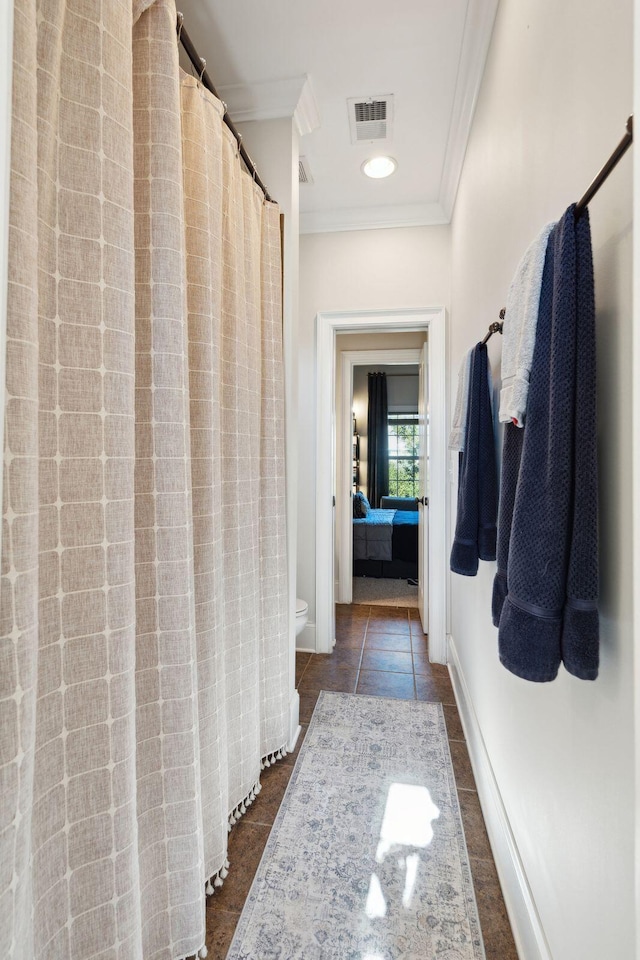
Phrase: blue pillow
(361, 506)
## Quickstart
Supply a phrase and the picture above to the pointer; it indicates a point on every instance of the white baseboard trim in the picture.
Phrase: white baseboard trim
(306, 641)
(529, 936)
(294, 720)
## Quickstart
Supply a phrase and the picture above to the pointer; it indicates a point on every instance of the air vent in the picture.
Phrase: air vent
(374, 110)
(370, 118)
(304, 172)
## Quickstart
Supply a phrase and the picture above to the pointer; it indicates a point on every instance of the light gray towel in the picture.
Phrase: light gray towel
(457, 435)
(519, 330)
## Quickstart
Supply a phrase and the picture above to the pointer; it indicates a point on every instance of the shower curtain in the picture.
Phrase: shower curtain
(144, 651)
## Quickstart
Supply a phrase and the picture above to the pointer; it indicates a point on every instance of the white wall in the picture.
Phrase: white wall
(359, 270)
(556, 93)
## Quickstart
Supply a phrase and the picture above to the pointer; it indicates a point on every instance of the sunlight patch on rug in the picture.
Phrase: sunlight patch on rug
(367, 858)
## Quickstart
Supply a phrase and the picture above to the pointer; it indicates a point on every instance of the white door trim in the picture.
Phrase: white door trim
(433, 321)
(423, 487)
(351, 359)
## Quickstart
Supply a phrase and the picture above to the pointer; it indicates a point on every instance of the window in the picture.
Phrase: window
(403, 454)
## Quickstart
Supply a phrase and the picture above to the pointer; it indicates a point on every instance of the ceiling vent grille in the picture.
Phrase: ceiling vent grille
(304, 171)
(370, 118)
(374, 110)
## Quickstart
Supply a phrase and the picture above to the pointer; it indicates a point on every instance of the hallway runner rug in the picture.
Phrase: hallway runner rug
(367, 858)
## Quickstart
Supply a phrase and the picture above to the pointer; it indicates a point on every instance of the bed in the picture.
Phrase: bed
(385, 543)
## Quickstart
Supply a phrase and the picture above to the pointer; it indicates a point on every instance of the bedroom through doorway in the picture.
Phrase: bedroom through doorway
(381, 469)
(386, 481)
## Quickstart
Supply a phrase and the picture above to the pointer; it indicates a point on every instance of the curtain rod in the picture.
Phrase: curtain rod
(602, 174)
(200, 65)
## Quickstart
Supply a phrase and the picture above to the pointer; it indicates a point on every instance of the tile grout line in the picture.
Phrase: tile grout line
(364, 640)
(304, 671)
(413, 663)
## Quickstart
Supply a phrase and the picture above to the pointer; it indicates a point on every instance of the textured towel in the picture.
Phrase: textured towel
(475, 535)
(519, 330)
(458, 427)
(545, 599)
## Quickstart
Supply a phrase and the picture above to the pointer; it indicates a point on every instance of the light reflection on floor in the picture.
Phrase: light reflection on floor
(406, 828)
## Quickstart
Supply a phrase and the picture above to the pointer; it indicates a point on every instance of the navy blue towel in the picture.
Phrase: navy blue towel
(545, 596)
(475, 535)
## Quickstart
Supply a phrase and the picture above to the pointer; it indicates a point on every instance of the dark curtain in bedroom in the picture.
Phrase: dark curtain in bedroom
(377, 440)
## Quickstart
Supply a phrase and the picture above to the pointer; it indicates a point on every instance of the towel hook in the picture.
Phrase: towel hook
(204, 67)
(180, 25)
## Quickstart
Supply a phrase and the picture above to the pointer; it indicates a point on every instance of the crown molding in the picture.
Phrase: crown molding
(372, 218)
(476, 38)
(273, 100)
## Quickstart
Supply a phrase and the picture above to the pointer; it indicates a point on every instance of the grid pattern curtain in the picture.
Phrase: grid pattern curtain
(144, 651)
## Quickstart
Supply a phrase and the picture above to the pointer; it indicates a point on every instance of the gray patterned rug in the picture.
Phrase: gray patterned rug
(367, 858)
(384, 592)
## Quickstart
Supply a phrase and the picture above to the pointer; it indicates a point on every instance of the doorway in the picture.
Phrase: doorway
(362, 578)
(329, 507)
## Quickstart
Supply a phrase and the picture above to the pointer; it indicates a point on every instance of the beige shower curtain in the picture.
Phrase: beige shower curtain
(144, 652)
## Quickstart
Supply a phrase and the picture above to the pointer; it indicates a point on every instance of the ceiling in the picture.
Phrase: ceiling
(306, 59)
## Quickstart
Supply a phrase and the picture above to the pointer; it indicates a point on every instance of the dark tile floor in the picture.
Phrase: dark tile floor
(380, 651)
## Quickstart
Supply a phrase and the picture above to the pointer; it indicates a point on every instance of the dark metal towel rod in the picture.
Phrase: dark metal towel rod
(589, 194)
(200, 65)
(602, 175)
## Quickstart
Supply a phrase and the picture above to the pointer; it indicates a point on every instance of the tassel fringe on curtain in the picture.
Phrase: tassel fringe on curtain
(144, 659)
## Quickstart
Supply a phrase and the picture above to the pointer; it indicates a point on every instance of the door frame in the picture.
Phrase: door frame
(351, 359)
(431, 320)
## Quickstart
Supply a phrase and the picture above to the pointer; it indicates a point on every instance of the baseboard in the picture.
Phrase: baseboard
(306, 641)
(294, 720)
(529, 936)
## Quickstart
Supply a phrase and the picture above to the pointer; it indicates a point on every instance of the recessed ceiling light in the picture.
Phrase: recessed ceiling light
(379, 167)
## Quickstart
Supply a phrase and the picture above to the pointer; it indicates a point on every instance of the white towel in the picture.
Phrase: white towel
(519, 330)
(457, 435)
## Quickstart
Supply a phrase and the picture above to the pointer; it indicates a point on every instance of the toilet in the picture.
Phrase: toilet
(302, 613)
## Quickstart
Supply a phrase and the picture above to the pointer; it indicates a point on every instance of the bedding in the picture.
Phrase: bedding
(372, 535)
(387, 536)
(405, 536)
